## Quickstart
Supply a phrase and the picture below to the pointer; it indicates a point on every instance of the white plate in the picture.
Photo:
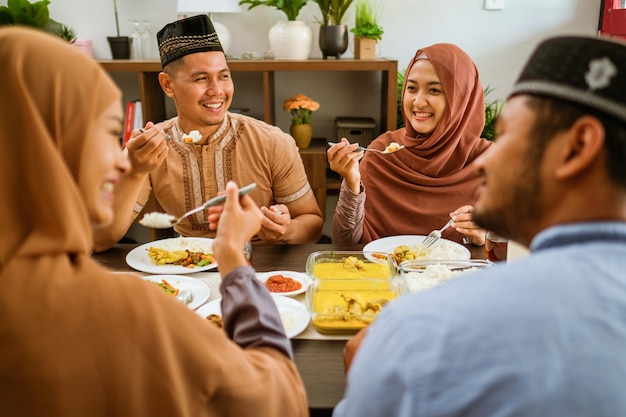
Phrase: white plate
(138, 257)
(199, 289)
(388, 244)
(293, 314)
(297, 276)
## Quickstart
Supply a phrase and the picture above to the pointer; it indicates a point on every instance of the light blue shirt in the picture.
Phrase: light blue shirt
(542, 336)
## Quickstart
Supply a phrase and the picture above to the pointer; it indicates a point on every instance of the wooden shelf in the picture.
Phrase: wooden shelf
(153, 98)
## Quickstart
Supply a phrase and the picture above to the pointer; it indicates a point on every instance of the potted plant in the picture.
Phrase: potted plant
(492, 110)
(289, 39)
(36, 15)
(120, 45)
(366, 30)
(333, 38)
(301, 107)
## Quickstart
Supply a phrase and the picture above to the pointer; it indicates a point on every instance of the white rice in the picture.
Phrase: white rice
(441, 251)
(183, 243)
(157, 220)
(431, 276)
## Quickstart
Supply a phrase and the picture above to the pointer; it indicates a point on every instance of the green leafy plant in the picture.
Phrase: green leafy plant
(399, 119)
(36, 15)
(290, 7)
(492, 110)
(22, 12)
(333, 11)
(117, 20)
(66, 33)
(366, 21)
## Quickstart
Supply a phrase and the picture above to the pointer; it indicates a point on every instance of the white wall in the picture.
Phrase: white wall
(498, 41)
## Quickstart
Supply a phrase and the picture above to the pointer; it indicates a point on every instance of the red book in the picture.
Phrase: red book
(129, 122)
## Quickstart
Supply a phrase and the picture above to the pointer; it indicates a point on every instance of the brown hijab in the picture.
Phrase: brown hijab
(76, 339)
(414, 190)
(44, 120)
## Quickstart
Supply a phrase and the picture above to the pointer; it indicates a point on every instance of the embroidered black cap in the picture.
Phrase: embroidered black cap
(187, 36)
(590, 71)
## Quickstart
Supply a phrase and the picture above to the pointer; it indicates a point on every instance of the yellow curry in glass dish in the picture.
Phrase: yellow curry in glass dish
(349, 289)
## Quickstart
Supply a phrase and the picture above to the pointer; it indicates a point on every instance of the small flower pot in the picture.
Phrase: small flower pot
(120, 47)
(364, 48)
(333, 40)
(302, 134)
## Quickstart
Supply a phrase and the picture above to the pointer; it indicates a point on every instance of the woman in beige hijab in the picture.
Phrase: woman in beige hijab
(76, 339)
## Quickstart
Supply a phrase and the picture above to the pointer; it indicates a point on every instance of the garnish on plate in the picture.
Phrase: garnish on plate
(168, 288)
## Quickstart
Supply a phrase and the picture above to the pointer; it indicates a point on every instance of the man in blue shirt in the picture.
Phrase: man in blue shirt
(544, 335)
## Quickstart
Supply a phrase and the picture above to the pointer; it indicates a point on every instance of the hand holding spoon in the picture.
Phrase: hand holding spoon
(393, 147)
(157, 220)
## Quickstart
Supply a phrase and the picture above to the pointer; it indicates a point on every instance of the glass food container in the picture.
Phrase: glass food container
(349, 289)
(350, 265)
(340, 306)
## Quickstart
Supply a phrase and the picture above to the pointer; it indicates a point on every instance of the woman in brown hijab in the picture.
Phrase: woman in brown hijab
(76, 339)
(417, 189)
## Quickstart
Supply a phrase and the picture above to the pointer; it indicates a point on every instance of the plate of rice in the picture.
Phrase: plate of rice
(179, 255)
(422, 275)
(408, 247)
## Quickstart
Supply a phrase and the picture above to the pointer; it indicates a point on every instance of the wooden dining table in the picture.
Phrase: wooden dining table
(319, 361)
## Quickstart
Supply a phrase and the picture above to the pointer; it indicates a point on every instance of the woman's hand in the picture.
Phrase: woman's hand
(344, 161)
(463, 224)
(239, 220)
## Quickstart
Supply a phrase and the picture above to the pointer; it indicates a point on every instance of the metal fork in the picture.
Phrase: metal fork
(435, 235)
(362, 148)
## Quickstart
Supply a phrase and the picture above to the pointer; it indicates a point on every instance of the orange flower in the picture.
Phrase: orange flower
(300, 107)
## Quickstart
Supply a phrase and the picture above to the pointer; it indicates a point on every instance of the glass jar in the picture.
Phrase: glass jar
(136, 50)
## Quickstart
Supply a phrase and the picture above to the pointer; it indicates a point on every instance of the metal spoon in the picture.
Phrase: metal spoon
(362, 148)
(185, 297)
(173, 221)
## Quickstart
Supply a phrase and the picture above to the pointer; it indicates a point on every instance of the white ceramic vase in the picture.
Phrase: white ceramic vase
(290, 39)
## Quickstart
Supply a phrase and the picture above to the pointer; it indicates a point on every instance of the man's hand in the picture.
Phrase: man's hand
(275, 223)
(351, 348)
(146, 150)
(464, 224)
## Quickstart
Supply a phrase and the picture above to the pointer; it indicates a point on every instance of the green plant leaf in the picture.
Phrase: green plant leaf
(399, 119)
(366, 21)
(291, 8)
(492, 110)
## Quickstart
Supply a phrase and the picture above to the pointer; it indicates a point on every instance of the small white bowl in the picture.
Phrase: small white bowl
(302, 278)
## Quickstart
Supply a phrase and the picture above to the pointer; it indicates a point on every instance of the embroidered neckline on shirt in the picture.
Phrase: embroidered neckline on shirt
(178, 131)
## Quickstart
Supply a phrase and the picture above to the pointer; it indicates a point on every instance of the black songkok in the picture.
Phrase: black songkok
(187, 36)
(589, 71)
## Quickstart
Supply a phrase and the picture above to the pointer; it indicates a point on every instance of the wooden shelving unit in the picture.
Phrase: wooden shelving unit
(153, 98)
(314, 158)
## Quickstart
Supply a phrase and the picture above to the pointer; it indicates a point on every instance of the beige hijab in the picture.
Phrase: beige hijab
(45, 117)
(414, 190)
(76, 339)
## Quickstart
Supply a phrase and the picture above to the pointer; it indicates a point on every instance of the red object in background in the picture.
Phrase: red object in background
(129, 121)
(613, 18)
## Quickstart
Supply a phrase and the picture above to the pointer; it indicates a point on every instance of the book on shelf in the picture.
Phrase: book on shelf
(132, 120)
(138, 120)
